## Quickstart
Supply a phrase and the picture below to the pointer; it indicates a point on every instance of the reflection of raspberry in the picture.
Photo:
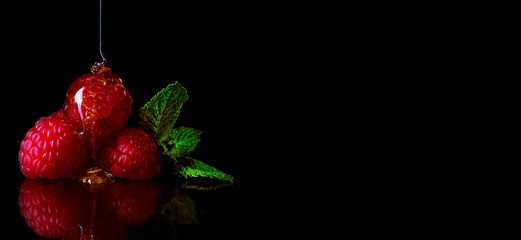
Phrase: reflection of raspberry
(52, 209)
(132, 154)
(133, 202)
(52, 149)
(100, 225)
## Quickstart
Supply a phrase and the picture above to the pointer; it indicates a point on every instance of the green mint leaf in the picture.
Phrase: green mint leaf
(190, 168)
(180, 141)
(161, 112)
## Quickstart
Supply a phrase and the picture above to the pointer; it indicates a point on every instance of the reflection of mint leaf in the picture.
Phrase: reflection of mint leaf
(205, 185)
(161, 112)
(188, 168)
(180, 208)
(180, 141)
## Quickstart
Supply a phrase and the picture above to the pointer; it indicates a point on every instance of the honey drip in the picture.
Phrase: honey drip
(96, 175)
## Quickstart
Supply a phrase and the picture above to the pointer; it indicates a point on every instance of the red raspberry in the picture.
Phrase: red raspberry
(132, 154)
(58, 114)
(52, 208)
(52, 149)
(98, 105)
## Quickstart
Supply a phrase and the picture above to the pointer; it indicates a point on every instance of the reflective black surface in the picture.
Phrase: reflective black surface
(70, 210)
(37, 209)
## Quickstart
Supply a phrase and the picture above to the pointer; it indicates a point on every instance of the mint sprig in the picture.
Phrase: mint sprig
(159, 116)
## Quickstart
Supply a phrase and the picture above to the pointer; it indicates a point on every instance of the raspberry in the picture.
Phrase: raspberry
(132, 154)
(98, 105)
(52, 149)
(58, 114)
(52, 208)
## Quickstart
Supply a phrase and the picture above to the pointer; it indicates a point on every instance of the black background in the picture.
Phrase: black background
(237, 61)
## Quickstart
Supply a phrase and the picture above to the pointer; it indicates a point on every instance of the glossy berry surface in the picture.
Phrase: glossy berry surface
(52, 149)
(98, 105)
(132, 154)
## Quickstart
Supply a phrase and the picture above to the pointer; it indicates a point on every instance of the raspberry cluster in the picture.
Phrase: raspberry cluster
(91, 125)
